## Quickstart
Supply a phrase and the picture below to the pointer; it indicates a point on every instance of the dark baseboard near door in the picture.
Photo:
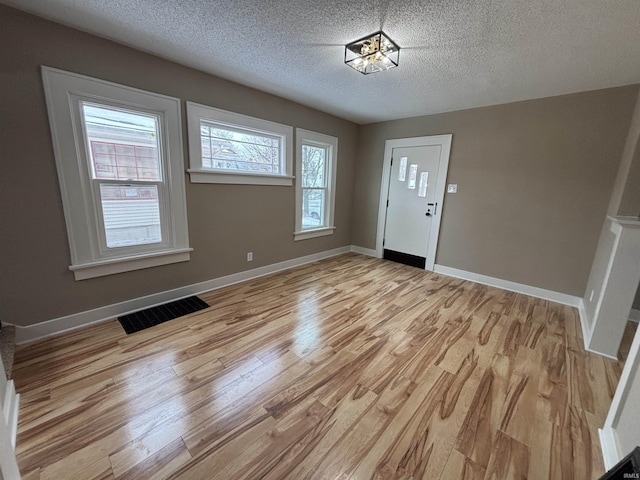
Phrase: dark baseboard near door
(411, 260)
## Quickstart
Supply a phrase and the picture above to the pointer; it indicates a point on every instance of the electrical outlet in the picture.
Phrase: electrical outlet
(249, 256)
(452, 188)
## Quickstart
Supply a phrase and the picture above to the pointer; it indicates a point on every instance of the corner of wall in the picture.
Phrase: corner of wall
(628, 153)
(621, 432)
(370, 252)
(585, 324)
(609, 446)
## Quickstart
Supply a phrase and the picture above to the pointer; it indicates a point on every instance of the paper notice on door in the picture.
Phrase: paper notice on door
(424, 180)
(413, 174)
(402, 173)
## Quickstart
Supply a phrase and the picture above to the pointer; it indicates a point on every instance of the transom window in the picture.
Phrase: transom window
(235, 149)
(315, 185)
(226, 147)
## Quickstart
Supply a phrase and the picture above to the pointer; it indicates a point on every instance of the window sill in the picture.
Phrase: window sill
(318, 232)
(209, 176)
(127, 264)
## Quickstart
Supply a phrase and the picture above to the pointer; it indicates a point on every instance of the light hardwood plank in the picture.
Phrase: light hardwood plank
(351, 367)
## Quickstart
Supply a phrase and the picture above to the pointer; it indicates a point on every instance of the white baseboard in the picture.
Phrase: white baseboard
(609, 445)
(602, 354)
(67, 323)
(60, 325)
(11, 407)
(8, 427)
(585, 324)
(364, 251)
(537, 292)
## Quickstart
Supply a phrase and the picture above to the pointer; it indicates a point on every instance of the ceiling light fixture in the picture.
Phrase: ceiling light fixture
(373, 53)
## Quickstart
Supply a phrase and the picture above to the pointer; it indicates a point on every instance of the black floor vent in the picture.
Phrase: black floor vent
(134, 322)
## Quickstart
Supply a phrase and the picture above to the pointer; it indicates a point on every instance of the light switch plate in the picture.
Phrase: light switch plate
(452, 188)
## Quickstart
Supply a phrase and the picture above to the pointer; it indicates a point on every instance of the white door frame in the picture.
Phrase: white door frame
(444, 141)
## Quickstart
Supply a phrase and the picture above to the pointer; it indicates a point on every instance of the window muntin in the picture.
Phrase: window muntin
(227, 147)
(119, 161)
(123, 144)
(118, 154)
(316, 157)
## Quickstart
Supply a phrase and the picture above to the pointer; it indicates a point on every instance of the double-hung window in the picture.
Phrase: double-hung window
(119, 158)
(227, 147)
(316, 159)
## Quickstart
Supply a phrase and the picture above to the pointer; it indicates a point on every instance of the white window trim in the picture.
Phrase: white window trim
(63, 92)
(306, 137)
(198, 174)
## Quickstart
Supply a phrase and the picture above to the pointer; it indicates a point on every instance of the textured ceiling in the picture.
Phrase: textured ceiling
(455, 54)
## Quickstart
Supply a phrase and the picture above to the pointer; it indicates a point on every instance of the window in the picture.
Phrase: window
(315, 184)
(226, 147)
(119, 158)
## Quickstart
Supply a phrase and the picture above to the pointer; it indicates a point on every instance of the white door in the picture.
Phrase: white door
(415, 183)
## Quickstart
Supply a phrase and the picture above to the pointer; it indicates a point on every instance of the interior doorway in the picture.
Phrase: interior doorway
(411, 199)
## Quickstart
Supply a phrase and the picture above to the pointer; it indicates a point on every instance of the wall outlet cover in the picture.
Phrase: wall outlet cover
(452, 188)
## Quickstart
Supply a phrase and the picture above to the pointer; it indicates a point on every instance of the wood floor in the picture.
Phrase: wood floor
(351, 367)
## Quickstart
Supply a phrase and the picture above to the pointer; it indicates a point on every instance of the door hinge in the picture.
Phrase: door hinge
(392, 161)
(387, 203)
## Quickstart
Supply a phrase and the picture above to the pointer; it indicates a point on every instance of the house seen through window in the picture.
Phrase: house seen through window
(126, 165)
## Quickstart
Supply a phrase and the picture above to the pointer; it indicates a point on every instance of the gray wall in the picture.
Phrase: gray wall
(534, 182)
(630, 202)
(595, 282)
(624, 200)
(225, 221)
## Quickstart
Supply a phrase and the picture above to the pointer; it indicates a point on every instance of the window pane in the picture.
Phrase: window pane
(123, 144)
(131, 214)
(313, 208)
(314, 161)
(228, 149)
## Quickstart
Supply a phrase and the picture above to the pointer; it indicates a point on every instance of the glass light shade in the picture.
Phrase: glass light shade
(373, 53)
